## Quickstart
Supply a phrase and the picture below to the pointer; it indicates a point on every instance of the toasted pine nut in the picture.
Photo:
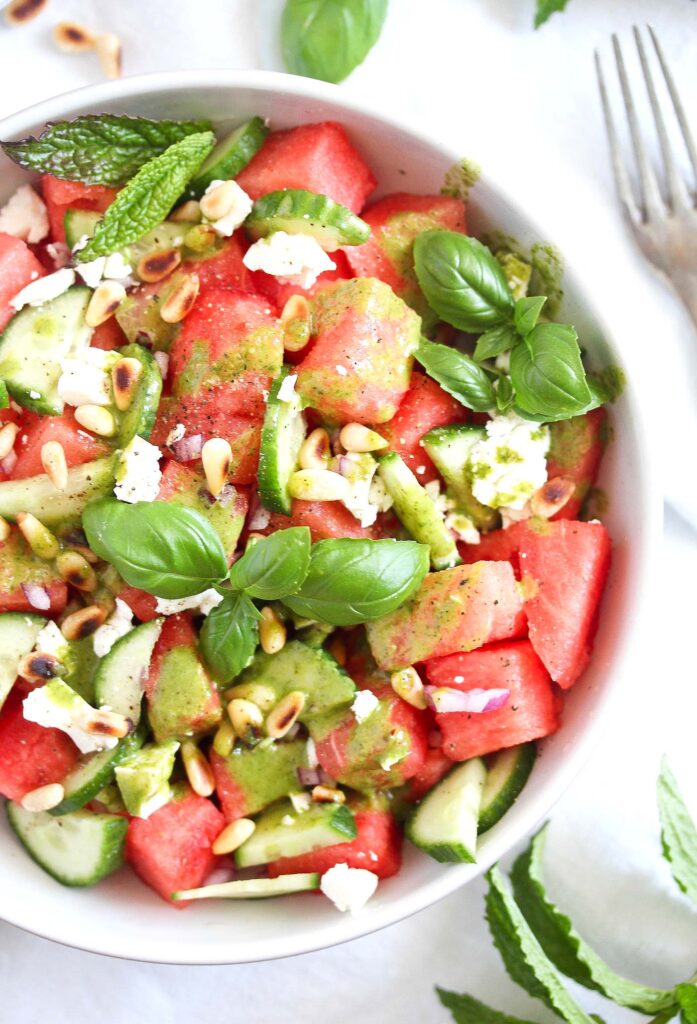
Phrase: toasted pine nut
(198, 770)
(272, 632)
(216, 456)
(39, 538)
(76, 570)
(188, 211)
(125, 375)
(327, 794)
(108, 47)
(337, 649)
(217, 202)
(54, 463)
(297, 322)
(285, 714)
(5, 530)
(224, 739)
(297, 305)
(20, 11)
(156, 266)
(99, 722)
(44, 798)
(244, 716)
(317, 485)
(8, 436)
(96, 419)
(232, 836)
(200, 237)
(357, 438)
(73, 38)
(263, 696)
(315, 451)
(38, 666)
(552, 496)
(407, 684)
(180, 300)
(83, 622)
(106, 299)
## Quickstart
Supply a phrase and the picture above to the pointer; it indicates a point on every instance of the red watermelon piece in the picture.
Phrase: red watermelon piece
(325, 519)
(497, 546)
(424, 407)
(225, 268)
(278, 291)
(182, 485)
(108, 336)
(60, 196)
(576, 448)
(141, 603)
(30, 755)
(18, 268)
(435, 767)
(78, 445)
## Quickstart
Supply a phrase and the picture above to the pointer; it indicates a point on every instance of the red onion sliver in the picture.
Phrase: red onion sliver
(189, 448)
(446, 700)
(37, 596)
(9, 462)
(309, 776)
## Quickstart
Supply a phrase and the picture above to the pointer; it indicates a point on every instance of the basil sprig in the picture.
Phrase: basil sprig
(229, 636)
(99, 149)
(327, 39)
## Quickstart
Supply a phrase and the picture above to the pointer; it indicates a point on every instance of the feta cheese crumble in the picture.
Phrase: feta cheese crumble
(24, 215)
(358, 469)
(119, 623)
(109, 268)
(44, 289)
(56, 706)
(138, 476)
(50, 640)
(260, 520)
(296, 259)
(364, 704)
(287, 392)
(204, 603)
(509, 464)
(349, 889)
(238, 211)
(176, 434)
(86, 380)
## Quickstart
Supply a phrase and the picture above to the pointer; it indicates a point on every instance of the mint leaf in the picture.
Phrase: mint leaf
(523, 956)
(327, 39)
(147, 199)
(678, 833)
(687, 1000)
(99, 149)
(467, 1010)
(275, 566)
(565, 947)
(546, 8)
(457, 374)
(229, 636)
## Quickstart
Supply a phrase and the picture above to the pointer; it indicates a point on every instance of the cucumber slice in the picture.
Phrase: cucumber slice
(299, 212)
(78, 223)
(253, 888)
(78, 849)
(449, 448)
(230, 156)
(117, 684)
(280, 832)
(282, 435)
(18, 633)
(93, 772)
(36, 494)
(139, 418)
(81, 663)
(299, 667)
(33, 344)
(444, 825)
(4, 395)
(143, 778)
(507, 773)
(417, 511)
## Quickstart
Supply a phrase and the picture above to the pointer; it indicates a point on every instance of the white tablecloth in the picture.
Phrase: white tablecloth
(473, 71)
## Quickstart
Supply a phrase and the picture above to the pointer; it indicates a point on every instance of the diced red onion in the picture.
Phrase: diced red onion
(162, 360)
(435, 738)
(445, 699)
(309, 776)
(220, 875)
(9, 462)
(189, 448)
(37, 596)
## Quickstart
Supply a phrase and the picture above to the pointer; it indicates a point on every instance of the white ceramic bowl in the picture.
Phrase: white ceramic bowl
(122, 917)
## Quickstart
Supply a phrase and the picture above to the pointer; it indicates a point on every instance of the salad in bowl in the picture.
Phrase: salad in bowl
(300, 551)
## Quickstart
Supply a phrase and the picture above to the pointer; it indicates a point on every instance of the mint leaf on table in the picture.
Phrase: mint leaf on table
(467, 1010)
(546, 8)
(148, 197)
(274, 566)
(99, 149)
(565, 947)
(229, 636)
(686, 995)
(327, 39)
(523, 956)
(678, 833)
(457, 374)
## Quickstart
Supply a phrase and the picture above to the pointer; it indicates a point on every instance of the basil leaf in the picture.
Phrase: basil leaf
(462, 280)
(327, 39)
(495, 341)
(467, 1010)
(546, 8)
(147, 199)
(527, 313)
(522, 954)
(352, 581)
(99, 149)
(547, 373)
(686, 995)
(275, 566)
(167, 550)
(504, 394)
(678, 833)
(565, 947)
(229, 636)
(457, 374)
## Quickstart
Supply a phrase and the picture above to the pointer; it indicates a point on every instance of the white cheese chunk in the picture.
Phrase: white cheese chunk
(138, 476)
(47, 707)
(50, 640)
(119, 623)
(25, 216)
(92, 272)
(358, 469)
(349, 889)
(44, 289)
(509, 464)
(296, 259)
(287, 392)
(83, 382)
(204, 603)
(364, 704)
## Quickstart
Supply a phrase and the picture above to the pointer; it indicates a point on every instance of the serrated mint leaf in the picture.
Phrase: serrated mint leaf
(686, 995)
(495, 341)
(527, 313)
(229, 636)
(327, 39)
(565, 947)
(99, 149)
(467, 1010)
(546, 8)
(678, 833)
(147, 199)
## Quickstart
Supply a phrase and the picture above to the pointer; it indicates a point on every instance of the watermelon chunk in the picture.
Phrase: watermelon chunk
(19, 565)
(564, 566)
(325, 519)
(108, 336)
(171, 849)
(576, 448)
(316, 157)
(224, 269)
(249, 780)
(30, 755)
(497, 546)
(454, 610)
(532, 710)
(181, 485)
(424, 407)
(279, 291)
(141, 603)
(60, 195)
(18, 268)
(435, 767)
(78, 445)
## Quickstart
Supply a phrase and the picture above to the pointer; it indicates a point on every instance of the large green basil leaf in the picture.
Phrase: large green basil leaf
(327, 39)
(274, 566)
(229, 636)
(457, 374)
(548, 375)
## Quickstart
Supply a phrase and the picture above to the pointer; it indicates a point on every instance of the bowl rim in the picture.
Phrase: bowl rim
(647, 492)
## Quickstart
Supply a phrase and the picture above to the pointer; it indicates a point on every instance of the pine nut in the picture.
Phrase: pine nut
(5, 530)
(327, 794)
(297, 305)
(188, 211)
(180, 300)
(407, 684)
(315, 451)
(317, 485)
(272, 632)
(244, 715)
(76, 570)
(285, 714)
(297, 322)
(108, 47)
(125, 376)
(200, 237)
(217, 202)
(99, 722)
(232, 836)
(552, 496)
(84, 622)
(106, 299)
(20, 11)
(156, 266)
(216, 456)
(263, 696)
(43, 799)
(96, 419)
(224, 739)
(337, 649)
(38, 667)
(73, 38)
(8, 436)
(357, 438)
(43, 543)
(54, 463)
(198, 771)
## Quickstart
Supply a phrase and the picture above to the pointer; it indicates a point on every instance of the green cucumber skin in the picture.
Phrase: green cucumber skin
(451, 808)
(230, 156)
(102, 774)
(495, 805)
(334, 823)
(272, 476)
(254, 888)
(297, 211)
(139, 419)
(36, 494)
(18, 632)
(112, 664)
(448, 448)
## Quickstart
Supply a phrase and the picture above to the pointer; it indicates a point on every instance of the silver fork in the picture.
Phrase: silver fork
(662, 216)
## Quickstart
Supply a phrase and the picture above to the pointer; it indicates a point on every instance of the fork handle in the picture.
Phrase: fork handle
(685, 285)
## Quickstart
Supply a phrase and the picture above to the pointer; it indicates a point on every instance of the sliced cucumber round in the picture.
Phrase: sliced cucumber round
(36, 494)
(299, 212)
(78, 223)
(18, 633)
(280, 832)
(78, 849)
(117, 684)
(444, 825)
(282, 435)
(93, 772)
(507, 773)
(230, 156)
(253, 888)
(449, 448)
(139, 418)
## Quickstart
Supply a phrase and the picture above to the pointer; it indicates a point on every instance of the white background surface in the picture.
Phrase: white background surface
(475, 72)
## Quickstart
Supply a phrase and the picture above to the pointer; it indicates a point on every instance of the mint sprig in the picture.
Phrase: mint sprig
(678, 833)
(468, 1010)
